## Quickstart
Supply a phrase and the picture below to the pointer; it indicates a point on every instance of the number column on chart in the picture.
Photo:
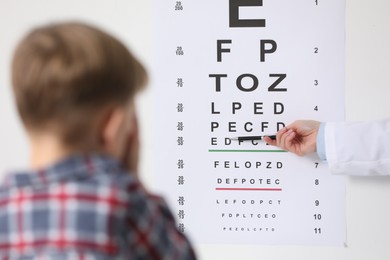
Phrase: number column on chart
(179, 86)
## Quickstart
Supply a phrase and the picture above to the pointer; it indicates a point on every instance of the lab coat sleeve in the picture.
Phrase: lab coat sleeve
(358, 148)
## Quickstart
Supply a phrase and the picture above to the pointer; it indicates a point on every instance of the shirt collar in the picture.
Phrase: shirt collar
(75, 167)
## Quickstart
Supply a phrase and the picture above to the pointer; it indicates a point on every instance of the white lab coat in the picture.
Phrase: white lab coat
(358, 148)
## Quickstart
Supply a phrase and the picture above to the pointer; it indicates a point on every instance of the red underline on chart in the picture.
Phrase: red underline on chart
(248, 189)
(245, 151)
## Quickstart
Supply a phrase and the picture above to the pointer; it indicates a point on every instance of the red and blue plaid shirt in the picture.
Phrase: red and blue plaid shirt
(85, 207)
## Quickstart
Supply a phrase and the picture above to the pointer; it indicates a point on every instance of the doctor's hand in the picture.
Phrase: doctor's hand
(300, 137)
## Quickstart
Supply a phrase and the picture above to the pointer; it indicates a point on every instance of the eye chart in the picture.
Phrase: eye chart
(227, 68)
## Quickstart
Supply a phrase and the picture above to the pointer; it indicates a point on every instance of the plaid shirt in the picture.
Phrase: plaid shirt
(85, 207)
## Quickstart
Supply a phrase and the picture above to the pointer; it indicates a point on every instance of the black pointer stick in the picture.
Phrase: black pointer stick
(252, 138)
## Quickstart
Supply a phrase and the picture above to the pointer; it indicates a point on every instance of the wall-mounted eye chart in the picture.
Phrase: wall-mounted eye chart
(247, 67)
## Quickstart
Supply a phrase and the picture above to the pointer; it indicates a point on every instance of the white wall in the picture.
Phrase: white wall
(367, 94)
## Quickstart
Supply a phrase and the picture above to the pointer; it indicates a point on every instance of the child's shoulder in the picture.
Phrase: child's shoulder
(92, 170)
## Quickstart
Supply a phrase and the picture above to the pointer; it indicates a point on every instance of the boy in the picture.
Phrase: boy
(74, 87)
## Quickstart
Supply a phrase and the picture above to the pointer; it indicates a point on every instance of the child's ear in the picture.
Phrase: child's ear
(111, 126)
